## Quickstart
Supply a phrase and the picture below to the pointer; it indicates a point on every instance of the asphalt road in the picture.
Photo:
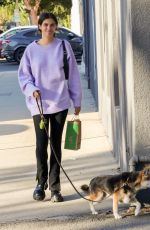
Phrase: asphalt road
(7, 66)
(83, 222)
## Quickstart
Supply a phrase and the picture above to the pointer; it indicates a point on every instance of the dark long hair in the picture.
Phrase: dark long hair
(46, 15)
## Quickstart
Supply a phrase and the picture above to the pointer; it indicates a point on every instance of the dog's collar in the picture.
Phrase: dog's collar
(125, 184)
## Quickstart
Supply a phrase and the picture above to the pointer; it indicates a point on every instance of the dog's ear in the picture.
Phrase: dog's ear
(147, 166)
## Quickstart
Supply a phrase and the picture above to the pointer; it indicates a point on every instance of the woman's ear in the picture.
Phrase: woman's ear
(39, 28)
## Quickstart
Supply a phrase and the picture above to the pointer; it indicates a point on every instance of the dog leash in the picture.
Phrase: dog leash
(43, 126)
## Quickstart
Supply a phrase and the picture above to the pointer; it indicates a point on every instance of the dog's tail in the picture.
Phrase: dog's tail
(85, 188)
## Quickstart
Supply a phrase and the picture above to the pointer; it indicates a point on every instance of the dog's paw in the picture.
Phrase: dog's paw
(137, 212)
(94, 213)
(130, 210)
(117, 216)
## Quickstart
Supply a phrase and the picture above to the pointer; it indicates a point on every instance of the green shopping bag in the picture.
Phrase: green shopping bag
(73, 135)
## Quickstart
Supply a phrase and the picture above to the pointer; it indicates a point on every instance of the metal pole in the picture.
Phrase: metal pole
(17, 13)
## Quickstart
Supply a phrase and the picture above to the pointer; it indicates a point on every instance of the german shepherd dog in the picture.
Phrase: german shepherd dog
(121, 188)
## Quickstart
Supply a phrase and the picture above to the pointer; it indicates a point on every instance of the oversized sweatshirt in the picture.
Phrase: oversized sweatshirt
(41, 68)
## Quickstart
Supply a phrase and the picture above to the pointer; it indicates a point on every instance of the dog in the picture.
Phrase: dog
(121, 188)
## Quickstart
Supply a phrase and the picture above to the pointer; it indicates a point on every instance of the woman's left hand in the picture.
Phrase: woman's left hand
(77, 110)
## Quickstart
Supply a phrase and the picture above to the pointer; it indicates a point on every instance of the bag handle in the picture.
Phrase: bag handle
(66, 65)
(75, 117)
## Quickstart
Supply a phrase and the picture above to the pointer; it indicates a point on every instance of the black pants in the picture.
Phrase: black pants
(56, 121)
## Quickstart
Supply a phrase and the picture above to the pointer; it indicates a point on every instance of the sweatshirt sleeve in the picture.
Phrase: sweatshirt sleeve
(25, 77)
(74, 83)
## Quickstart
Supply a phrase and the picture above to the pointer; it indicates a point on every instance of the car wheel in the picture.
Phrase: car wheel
(8, 59)
(18, 54)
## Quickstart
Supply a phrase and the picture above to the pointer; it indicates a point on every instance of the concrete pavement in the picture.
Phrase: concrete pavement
(17, 165)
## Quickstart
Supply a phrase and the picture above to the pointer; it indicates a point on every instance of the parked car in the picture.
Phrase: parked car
(8, 33)
(13, 48)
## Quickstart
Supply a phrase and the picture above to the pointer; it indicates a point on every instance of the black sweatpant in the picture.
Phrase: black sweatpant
(56, 121)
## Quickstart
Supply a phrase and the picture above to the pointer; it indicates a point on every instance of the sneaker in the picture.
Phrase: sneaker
(56, 197)
(39, 193)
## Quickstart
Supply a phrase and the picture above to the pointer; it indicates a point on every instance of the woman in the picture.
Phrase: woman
(41, 74)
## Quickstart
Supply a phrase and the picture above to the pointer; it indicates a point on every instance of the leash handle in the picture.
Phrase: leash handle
(40, 107)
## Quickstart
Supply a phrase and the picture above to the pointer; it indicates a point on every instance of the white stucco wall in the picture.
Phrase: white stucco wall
(75, 17)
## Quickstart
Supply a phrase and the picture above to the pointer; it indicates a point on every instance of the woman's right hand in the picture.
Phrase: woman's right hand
(36, 93)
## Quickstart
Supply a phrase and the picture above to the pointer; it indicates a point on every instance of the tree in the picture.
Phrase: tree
(5, 2)
(7, 8)
(6, 13)
(60, 7)
(32, 8)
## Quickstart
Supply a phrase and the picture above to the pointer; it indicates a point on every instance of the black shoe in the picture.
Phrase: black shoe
(56, 197)
(39, 193)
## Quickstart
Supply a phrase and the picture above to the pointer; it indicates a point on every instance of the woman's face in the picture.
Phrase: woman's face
(48, 27)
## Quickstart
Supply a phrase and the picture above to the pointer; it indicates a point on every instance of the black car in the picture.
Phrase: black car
(14, 47)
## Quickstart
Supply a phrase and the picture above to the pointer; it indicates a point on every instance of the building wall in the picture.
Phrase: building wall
(141, 61)
(103, 60)
(118, 40)
(126, 82)
(75, 17)
(111, 44)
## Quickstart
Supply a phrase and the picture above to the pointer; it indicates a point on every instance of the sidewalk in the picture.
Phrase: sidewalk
(17, 167)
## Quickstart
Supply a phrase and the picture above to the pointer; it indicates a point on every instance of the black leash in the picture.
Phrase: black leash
(43, 126)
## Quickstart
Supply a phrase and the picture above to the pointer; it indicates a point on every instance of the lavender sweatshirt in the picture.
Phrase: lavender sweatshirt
(41, 68)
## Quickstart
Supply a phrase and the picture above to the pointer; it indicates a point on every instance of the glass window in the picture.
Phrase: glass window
(63, 33)
(9, 34)
(33, 33)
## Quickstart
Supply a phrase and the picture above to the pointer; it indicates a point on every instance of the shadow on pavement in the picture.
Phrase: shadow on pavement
(7, 129)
